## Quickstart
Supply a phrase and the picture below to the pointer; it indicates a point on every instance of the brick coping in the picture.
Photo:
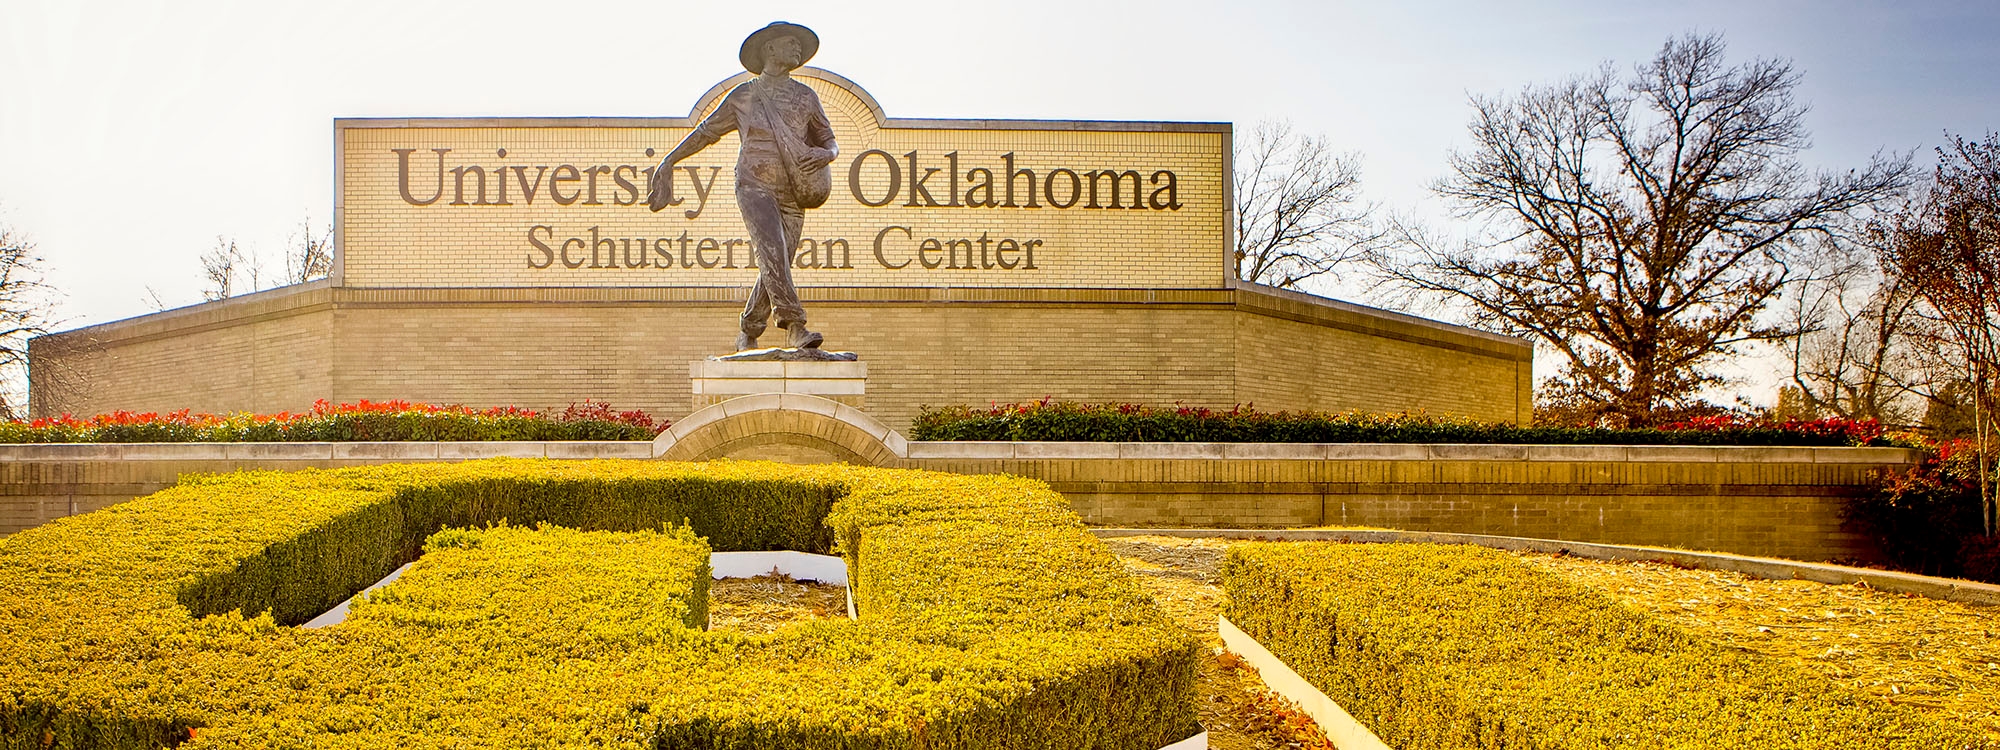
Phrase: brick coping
(1948, 589)
(1408, 452)
(343, 451)
(963, 450)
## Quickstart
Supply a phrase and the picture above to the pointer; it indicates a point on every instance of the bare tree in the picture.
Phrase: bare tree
(1948, 247)
(1639, 225)
(1862, 349)
(26, 304)
(308, 254)
(1298, 208)
(229, 269)
(220, 268)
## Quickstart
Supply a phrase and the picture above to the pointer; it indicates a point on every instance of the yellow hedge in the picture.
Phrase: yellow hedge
(989, 616)
(1446, 647)
(559, 587)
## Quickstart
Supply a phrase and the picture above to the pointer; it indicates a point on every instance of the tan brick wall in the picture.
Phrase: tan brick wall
(546, 348)
(386, 241)
(1777, 504)
(1274, 375)
(1785, 502)
(267, 353)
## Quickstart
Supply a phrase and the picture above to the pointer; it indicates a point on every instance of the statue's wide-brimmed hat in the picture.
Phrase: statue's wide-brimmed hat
(752, 53)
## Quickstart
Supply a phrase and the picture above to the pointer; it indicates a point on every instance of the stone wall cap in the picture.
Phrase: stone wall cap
(961, 449)
(412, 451)
(61, 452)
(1065, 449)
(1169, 450)
(277, 451)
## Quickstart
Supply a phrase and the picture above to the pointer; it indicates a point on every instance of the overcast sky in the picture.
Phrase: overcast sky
(132, 134)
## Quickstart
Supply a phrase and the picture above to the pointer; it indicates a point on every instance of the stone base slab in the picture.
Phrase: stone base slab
(715, 381)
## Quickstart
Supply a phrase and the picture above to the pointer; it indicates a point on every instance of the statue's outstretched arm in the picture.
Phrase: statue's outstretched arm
(718, 124)
(696, 140)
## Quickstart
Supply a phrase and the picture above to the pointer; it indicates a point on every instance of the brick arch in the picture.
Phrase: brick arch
(788, 427)
(868, 112)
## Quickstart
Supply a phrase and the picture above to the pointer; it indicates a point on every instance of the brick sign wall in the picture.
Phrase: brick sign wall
(915, 203)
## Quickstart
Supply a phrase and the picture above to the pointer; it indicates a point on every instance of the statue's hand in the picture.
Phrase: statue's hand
(815, 158)
(656, 194)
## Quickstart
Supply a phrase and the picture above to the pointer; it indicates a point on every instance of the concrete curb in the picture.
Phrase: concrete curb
(1339, 726)
(1948, 589)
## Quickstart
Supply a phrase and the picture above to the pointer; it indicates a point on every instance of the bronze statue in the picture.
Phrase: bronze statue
(780, 170)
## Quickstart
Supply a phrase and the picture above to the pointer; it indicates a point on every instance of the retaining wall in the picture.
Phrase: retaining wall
(1780, 502)
(41, 483)
(1776, 502)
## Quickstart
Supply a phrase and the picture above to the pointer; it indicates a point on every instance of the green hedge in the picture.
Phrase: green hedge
(989, 616)
(1450, 647)
(1135, 423)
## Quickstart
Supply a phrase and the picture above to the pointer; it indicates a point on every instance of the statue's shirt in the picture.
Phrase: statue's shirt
(799, 114)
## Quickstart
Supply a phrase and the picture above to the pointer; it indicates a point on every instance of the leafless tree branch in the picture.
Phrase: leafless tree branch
(1643, 222)
(1298, 209)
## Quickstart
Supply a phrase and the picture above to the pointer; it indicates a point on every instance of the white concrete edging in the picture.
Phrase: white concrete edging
(1339, 726)
(338, 614)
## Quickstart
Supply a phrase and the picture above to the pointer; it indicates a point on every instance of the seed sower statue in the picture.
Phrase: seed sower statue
(781, 170)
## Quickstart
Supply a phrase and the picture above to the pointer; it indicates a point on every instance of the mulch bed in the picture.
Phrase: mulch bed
(771, 601)
(1933, 655)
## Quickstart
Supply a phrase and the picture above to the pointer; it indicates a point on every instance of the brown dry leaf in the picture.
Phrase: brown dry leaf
(1239, 712)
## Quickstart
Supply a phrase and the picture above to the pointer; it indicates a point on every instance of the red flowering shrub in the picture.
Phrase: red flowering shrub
(329, 422)
(1053, 420)
(1927, 519)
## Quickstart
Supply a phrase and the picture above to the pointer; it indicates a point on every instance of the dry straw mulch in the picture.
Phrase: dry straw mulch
(1933, 655)
(771, 601)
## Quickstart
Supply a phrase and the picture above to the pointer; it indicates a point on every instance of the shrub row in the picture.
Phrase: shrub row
(1450, 647)
(328, 422)
(1929, 519)
(989, 615)
(1137, 423)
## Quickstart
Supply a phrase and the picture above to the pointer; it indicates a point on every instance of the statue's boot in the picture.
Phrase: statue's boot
(802, 338)
(745, 342)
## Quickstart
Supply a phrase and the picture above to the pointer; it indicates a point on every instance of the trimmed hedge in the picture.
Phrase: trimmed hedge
(989, 616)
(1134, 423)
(549, 584)
(338, 423)
(1435, 646)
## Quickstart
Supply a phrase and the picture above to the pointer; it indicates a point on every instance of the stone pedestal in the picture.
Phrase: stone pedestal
(716, 381)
